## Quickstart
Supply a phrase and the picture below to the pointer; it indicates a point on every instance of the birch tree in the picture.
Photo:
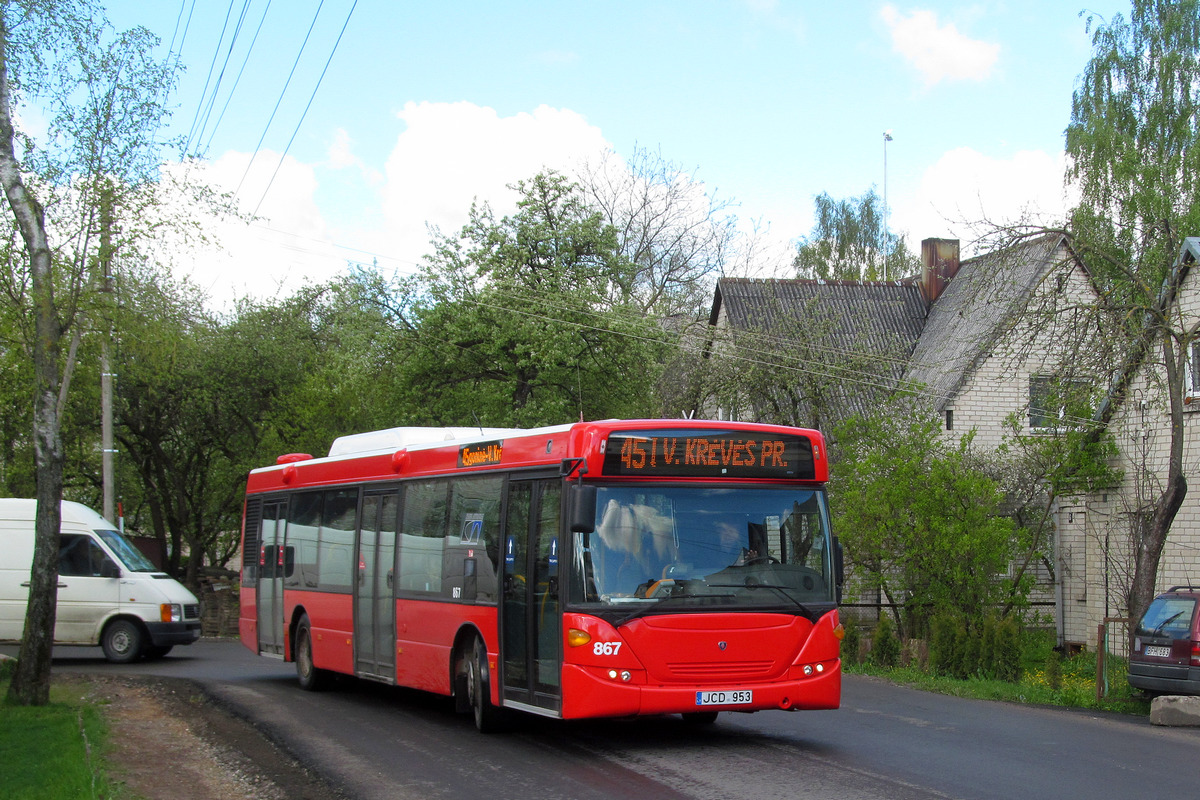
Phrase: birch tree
(1133, 144)
(103, 98)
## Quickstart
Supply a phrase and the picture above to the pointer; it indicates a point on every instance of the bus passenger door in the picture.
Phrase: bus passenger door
(530, 625)
(374, 588)
(270, 579)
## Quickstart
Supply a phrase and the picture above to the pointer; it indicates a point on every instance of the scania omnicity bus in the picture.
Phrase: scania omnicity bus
(600, 569)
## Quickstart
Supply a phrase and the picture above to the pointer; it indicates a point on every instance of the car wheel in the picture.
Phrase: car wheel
(122, 641)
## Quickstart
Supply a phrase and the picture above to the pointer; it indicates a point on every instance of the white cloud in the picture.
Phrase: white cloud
(341, 150)
(453, 153)
(938, 52)
(965, 191)
(272, 256)
(448, 155)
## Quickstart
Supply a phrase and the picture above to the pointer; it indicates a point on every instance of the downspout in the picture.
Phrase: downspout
(1060, 622)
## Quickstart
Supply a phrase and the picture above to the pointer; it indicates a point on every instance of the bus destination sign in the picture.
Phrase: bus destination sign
(708, 454)
(480, 454)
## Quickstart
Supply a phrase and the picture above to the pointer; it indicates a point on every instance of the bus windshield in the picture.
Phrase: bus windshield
(659, 549)
(124, 549)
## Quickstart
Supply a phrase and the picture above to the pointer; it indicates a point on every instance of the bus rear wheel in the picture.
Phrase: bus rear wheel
(311, 678)
(488, 718)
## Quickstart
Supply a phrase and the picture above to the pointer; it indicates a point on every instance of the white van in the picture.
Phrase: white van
(108, 592)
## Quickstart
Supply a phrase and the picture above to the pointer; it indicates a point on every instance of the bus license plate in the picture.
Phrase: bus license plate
(1161, 652)
(727, 698)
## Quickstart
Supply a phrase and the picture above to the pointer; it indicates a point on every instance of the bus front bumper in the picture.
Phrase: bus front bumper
(592, 692)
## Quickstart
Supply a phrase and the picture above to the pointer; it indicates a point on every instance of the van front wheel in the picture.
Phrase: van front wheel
(122, 641)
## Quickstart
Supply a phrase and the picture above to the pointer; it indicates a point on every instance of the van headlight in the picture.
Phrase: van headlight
(171, 612)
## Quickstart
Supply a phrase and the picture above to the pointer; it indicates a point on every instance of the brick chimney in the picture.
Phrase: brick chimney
(940, 260)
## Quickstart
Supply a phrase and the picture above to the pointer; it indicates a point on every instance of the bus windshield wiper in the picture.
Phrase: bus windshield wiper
(651, 608)
(783, 591)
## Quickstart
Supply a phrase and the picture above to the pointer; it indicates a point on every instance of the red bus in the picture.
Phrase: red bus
(601, 569)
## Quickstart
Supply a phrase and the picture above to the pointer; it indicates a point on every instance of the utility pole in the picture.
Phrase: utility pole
(887, 137)
(105, 260)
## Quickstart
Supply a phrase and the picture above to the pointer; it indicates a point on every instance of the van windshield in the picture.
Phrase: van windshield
(130, 556)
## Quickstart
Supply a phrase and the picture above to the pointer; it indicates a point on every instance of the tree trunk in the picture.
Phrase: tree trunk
(31, 682)
(1152, 529)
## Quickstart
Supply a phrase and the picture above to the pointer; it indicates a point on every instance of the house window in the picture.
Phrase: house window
(1056, 402)
(949, 419)
(1191, 378)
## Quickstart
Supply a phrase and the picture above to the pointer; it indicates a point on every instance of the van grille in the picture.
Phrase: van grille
(191, 611)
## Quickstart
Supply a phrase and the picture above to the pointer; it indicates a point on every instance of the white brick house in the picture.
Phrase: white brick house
(989, 341)
(1007, 327)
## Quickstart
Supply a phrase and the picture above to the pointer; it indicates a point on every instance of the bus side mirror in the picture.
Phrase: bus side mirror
(109, 570)
(583, 508)
(839, 567)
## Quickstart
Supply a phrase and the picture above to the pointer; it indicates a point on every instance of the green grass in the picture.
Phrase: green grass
(53, 752)
(1074, 686)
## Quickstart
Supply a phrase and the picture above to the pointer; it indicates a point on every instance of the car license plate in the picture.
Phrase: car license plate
(734, 697)
(1159, 652)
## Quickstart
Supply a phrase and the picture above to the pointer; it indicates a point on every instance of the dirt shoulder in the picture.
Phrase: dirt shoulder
(169, 741)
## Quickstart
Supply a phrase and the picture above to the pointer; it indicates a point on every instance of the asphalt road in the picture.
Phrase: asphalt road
(885, 742)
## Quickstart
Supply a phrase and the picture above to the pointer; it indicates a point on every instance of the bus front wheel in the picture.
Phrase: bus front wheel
(311, 678)
(488, 718)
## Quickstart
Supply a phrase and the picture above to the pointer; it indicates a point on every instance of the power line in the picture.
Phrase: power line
(212, 100)
(238, 79)
(279, 101)
(308, 105)
(211, 66)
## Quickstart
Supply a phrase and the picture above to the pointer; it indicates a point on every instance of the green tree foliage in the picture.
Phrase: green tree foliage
(848, 242)
(203, 400)
(1133, 144)
(526, 320)
(920, 519)
(1134, 149)
(1037, 471)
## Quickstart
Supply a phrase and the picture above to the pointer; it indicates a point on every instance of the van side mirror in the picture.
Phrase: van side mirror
(109, 570)
(583, 508)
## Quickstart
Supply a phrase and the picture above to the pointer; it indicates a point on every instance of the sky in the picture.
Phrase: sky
(348, 127)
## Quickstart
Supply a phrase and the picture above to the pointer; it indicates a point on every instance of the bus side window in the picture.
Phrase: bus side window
(423, 536)
(472, 549)
(303, 524)
(335, 555)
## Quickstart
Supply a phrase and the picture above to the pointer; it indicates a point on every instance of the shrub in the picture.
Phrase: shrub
(885, 647)
(1006, 659)
(851, 643)
(943, 644)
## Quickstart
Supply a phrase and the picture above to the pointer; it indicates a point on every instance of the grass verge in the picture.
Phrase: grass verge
(53, 752)
(1047, 678)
